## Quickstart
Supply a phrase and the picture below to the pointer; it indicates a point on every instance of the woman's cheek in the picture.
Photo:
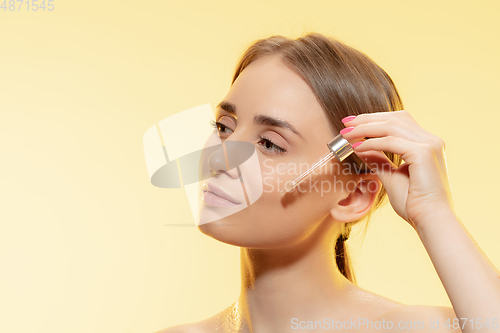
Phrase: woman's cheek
(282, 169)
(269, 184)
(269, 175)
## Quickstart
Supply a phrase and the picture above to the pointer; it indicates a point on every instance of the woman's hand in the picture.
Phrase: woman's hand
(419, 187)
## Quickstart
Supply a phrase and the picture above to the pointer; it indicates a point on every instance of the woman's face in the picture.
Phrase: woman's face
(267, 88)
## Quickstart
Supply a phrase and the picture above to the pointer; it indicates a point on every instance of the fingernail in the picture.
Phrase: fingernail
(357, 144)
(346, 130)
(349, 118)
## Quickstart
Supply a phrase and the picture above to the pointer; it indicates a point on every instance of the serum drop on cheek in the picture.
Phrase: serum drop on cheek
(339, 147)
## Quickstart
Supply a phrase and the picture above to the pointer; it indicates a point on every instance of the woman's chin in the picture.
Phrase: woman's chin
(219, 215)
(231, 231)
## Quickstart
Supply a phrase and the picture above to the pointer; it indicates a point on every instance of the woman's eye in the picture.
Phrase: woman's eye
(267, 144)
(271, 146)
(221, 128)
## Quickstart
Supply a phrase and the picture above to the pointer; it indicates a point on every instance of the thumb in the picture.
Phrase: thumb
(394, 179)
(380, 164)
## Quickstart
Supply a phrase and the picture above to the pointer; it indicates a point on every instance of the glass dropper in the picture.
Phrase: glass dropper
(339, 147)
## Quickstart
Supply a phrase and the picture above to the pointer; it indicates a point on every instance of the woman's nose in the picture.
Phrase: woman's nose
(229, 155)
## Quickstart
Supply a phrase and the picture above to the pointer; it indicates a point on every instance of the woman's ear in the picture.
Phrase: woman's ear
(361, 194)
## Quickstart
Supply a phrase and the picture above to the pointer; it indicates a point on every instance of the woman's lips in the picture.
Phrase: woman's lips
(215, 196)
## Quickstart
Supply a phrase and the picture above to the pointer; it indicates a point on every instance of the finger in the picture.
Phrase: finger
(379, 163)
(413, 153)
(389, 127)
(395, 180)
(402, 116)
(375, 156)
(394, 127)
(408, 150)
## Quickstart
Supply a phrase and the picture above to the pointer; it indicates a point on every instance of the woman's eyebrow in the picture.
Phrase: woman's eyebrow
(260, 119)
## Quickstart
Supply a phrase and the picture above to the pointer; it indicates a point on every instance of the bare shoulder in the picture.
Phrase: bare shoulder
(421, 318)
(373, 305)
(216, 323)
(425, 318)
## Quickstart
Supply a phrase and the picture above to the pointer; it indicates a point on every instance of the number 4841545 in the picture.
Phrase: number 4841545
(27, 5)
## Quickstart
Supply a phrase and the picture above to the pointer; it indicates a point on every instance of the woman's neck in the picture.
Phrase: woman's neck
(300, 281)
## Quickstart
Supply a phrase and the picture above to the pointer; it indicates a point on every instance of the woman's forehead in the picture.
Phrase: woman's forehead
(267, 86)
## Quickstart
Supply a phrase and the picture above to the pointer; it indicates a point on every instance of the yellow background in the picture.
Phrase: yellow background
(83, 247)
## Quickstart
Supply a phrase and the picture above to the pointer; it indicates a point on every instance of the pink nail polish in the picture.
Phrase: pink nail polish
(357, 144)
(349, 118)
(346, 130)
